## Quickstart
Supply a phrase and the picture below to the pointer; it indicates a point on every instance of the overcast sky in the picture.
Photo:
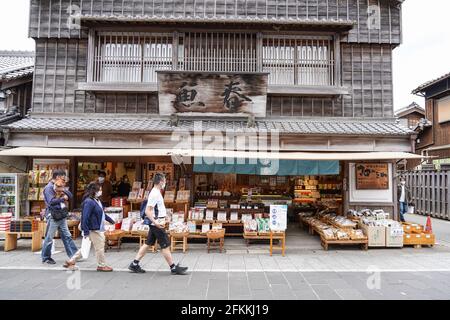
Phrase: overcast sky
(423, 56)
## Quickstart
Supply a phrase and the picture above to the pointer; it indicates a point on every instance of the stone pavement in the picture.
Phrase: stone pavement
(307, 272)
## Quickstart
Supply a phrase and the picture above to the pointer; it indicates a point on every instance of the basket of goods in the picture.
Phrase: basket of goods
(216, 234)
(114, 235)
(342, 235)
(72, 223)
(344, 223)
(180, 230)
(251, 227)
(328, 234)
(357, 235)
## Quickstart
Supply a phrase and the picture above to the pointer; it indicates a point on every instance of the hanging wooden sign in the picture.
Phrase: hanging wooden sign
(372, 176)
(213, 93)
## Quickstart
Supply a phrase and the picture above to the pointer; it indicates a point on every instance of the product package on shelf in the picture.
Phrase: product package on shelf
(192, 226)
(251, 227)
(213, 204)
(183, 196)
(169, 196)
(205, 227)
(33, 194)
(178, 227)
(178, 217)
(140, 195)
(246, 217)
(197, 214)
(216, 226)
(222, 216)
(116, 213)
(127, 224)
(134, 215)
(263, 226)
(209, 215)
(234, 217)
(118, 202)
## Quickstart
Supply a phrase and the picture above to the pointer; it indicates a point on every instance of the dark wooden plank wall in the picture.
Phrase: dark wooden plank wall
(60, 64)
(367, 71)
(49, 18)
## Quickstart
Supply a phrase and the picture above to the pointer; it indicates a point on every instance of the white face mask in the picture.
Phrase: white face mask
(403, 183)
(98, 194)
(101, 179)
(163, 186)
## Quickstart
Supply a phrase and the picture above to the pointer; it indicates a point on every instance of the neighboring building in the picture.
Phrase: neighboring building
(411, 114)
(321, 72)
(16, 77)
(434, 138)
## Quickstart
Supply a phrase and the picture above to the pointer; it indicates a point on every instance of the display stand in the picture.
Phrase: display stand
(178, 241)
(281, 236)
(216, 239)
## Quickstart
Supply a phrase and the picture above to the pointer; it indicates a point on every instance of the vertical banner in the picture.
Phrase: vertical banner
(278, 217)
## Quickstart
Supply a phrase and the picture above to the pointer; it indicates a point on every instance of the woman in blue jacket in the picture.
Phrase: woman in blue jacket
(93, 219)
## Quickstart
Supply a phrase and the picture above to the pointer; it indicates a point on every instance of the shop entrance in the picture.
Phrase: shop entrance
(234, 199)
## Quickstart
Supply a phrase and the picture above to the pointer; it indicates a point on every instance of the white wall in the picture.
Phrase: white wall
(373, 196)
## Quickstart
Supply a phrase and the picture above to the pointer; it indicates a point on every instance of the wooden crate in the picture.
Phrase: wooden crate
(419, 239)
(412, 228)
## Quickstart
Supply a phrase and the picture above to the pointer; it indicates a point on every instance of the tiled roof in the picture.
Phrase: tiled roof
(326, 126)
(16, 64)
(205, 17)
(430, 83)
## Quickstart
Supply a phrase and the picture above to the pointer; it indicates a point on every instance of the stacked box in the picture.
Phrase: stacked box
(5, 221)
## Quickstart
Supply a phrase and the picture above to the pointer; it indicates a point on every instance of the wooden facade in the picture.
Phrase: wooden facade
(434, 140)
(349, 67)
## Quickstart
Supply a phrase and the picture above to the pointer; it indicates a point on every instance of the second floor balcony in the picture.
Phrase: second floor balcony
(296, 64)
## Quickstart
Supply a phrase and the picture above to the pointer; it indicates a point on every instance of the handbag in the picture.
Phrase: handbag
(85, 247)
(59, 214)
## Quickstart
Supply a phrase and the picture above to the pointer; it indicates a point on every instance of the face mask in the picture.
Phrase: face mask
(403, 183)
(101, 179)
(163, 186)
(98, 194)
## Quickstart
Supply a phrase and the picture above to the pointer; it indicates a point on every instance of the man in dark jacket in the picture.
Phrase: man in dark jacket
(404, 198)
(52, 200)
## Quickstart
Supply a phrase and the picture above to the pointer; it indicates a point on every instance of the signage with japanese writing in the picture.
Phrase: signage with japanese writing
(278, 217)
(372, 176)
(212, 93)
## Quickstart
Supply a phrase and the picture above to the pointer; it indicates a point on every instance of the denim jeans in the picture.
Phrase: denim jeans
(403, 210)
(66, 237)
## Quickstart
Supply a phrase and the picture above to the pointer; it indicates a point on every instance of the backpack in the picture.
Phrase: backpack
(144, 216)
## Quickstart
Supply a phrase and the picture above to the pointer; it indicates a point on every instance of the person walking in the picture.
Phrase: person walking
(155, 215)
(55, 202)
(404, 198)
(93, 219)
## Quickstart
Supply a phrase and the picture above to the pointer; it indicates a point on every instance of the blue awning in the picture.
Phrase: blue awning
(270, 168)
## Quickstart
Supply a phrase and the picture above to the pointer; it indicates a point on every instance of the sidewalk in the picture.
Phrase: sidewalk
(303, 254)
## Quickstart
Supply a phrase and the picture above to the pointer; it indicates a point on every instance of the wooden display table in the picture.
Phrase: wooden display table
(178, 241)
(113, 239)
(11, 240)
(280, 236)
(216, 239)
(325, 243)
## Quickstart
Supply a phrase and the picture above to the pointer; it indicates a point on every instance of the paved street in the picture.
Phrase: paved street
(37, 284)
(307, 272)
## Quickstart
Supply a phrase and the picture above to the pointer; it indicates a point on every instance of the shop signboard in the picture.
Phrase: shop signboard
(278, 217)
(212, 93)
(372, 176)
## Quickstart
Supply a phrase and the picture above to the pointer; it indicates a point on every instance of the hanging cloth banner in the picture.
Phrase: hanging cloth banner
(269, 167)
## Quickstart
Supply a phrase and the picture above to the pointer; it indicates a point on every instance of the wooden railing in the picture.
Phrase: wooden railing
(135, 57)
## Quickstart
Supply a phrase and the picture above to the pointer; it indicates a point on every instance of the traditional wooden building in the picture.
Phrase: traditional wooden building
(411, 114)
(16, 77)
(434, 139)
(116, 74)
